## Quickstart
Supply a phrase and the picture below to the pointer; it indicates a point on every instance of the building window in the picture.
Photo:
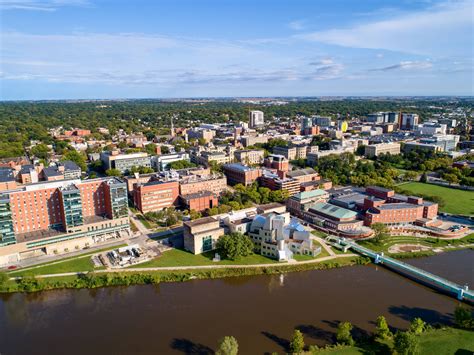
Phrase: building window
(207, 243)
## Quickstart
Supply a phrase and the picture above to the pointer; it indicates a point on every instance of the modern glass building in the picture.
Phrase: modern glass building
(7, 234)
(118, 198)
(72, 207)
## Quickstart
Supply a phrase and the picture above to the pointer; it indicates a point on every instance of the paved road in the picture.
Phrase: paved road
(201, 267)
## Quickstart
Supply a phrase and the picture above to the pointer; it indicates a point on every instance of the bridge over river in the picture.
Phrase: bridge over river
(462, 292)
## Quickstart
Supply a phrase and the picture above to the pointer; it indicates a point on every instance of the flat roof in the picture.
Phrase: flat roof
(197, 195)
(333, 210)
(6, 175)
(301, 172)
(237, 166)
(397, 206)
(200, 221)
(309, 194)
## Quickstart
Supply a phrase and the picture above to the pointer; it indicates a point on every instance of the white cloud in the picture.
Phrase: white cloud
(444, 28)
(140, 59)
(407, 65)
(297, 25)
(40, 5)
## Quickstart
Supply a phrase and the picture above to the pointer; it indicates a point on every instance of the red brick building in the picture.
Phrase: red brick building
(385, 206)
(278, 162)
(241, 174)
(199, 201)
(155, 195)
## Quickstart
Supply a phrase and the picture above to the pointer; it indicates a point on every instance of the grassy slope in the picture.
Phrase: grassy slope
(431, 242)
(177, 257)
(440, 342)
(456, 201)
(76, 263)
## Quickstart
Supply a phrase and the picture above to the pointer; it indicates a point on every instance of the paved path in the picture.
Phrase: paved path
(200, 267)
(324, 245)
(140, 226)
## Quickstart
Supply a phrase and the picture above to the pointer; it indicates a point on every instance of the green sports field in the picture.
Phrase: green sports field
(455, 201)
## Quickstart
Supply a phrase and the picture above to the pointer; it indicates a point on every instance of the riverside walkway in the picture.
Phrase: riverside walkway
(462, 292)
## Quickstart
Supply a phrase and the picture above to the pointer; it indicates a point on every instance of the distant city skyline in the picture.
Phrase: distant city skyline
(91, 49)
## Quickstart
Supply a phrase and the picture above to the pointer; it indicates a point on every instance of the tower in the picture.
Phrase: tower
(172, 128)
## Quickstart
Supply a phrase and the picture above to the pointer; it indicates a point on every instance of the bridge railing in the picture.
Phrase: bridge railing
(386, 259)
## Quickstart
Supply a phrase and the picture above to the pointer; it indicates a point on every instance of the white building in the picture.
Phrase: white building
(256, 119)
(279, 238)
(430, 128)
(161, 162)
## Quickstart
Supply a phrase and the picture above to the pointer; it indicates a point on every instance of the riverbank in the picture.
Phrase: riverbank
(261, 310)
(79, 273)
(126, 277)
(446, 340)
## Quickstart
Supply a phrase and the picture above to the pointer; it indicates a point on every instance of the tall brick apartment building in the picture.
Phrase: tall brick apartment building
(39, 218)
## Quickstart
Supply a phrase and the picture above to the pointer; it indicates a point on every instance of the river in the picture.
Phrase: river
(190, 317)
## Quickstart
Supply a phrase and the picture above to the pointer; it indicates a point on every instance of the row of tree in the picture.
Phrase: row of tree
(403, 342)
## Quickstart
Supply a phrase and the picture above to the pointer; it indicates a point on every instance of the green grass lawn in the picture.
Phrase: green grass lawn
(74, 265)
(456, 201)
(303, 257)
(71, 264)
(440, 342)
(319, 234)
(429, 242)
(178, 257)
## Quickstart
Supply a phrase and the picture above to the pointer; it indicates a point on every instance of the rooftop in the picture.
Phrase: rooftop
(6, 175)
(301, 172)
(197, 195)
(239, 167)
(309, 194)
(200, 221)
(396, 206)
(332, 210)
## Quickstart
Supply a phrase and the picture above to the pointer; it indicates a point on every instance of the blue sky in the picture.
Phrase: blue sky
(66, 49)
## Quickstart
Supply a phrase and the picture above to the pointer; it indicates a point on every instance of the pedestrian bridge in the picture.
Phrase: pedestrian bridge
(462, 292)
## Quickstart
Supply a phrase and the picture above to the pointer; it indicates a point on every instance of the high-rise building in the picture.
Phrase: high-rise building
(256, 119)
(35, 218)
(409, 121)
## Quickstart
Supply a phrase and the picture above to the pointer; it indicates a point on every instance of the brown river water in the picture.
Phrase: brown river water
(260, 311)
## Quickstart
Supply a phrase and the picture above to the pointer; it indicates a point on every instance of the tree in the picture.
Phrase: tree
(145, 170)
(228, 346)
(279, 196)
(41, 151)
(463, 317)
(417, 326)
(3, 278)
(181, 164)
(193, 214)
(424, 178)
(164, 149)
(113, 172)
(76, 157)
(451, 178)
(297, 342)
(343, 335)
(380, 231)
(406, 343)
(382, 330)
(212, 211)
(234, 246)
